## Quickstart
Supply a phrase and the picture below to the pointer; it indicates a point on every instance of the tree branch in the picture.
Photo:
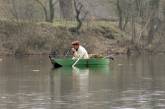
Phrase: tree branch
(145, 27)
(44, 9)
(55, 2)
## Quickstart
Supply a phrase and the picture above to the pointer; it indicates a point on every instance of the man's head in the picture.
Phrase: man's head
(76, 44)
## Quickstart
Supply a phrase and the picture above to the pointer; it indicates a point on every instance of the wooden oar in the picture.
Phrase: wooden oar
(76, 62)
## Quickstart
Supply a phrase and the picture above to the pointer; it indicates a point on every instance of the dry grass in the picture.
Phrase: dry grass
(38, 38)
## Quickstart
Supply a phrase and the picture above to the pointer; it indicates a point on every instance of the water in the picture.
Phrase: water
(136, 82)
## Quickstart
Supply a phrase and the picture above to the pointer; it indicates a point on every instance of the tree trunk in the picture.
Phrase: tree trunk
(125, 23)
(66, 9)
(51, 10)
(151, 33)
(79, 22)
(154, 20)
(78, 8)
(133, 29)
(44, 10)
(120, 14)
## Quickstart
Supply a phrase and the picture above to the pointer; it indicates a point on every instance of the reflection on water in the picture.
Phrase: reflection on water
(136, 82)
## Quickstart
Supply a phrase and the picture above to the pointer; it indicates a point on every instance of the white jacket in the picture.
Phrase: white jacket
(81, 53)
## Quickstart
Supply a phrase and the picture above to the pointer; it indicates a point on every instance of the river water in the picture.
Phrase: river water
(136, 82)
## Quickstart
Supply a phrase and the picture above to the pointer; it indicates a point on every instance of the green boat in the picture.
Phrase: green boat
(68, 62)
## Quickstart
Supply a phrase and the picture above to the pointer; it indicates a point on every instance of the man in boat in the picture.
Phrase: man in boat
(79, 51)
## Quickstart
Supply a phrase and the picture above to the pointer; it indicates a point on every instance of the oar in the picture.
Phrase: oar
(76, 62)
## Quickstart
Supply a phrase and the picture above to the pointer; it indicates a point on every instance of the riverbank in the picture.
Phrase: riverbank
(29, 38)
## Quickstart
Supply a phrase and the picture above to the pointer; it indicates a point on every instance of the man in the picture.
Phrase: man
(79, 51)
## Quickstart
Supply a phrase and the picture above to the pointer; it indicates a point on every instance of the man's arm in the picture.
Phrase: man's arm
(75, 54)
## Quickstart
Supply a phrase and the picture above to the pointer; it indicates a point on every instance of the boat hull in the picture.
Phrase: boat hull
(81, 62)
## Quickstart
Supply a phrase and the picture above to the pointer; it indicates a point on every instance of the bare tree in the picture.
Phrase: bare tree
(14, 10)
(48, 11)
(66, 9)
(143, 19)
(155, 21)
(81, 14)
(123, 10)
(21, 10)
(119, 14)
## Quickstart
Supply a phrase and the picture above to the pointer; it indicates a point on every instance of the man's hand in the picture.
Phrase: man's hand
(73, 50)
